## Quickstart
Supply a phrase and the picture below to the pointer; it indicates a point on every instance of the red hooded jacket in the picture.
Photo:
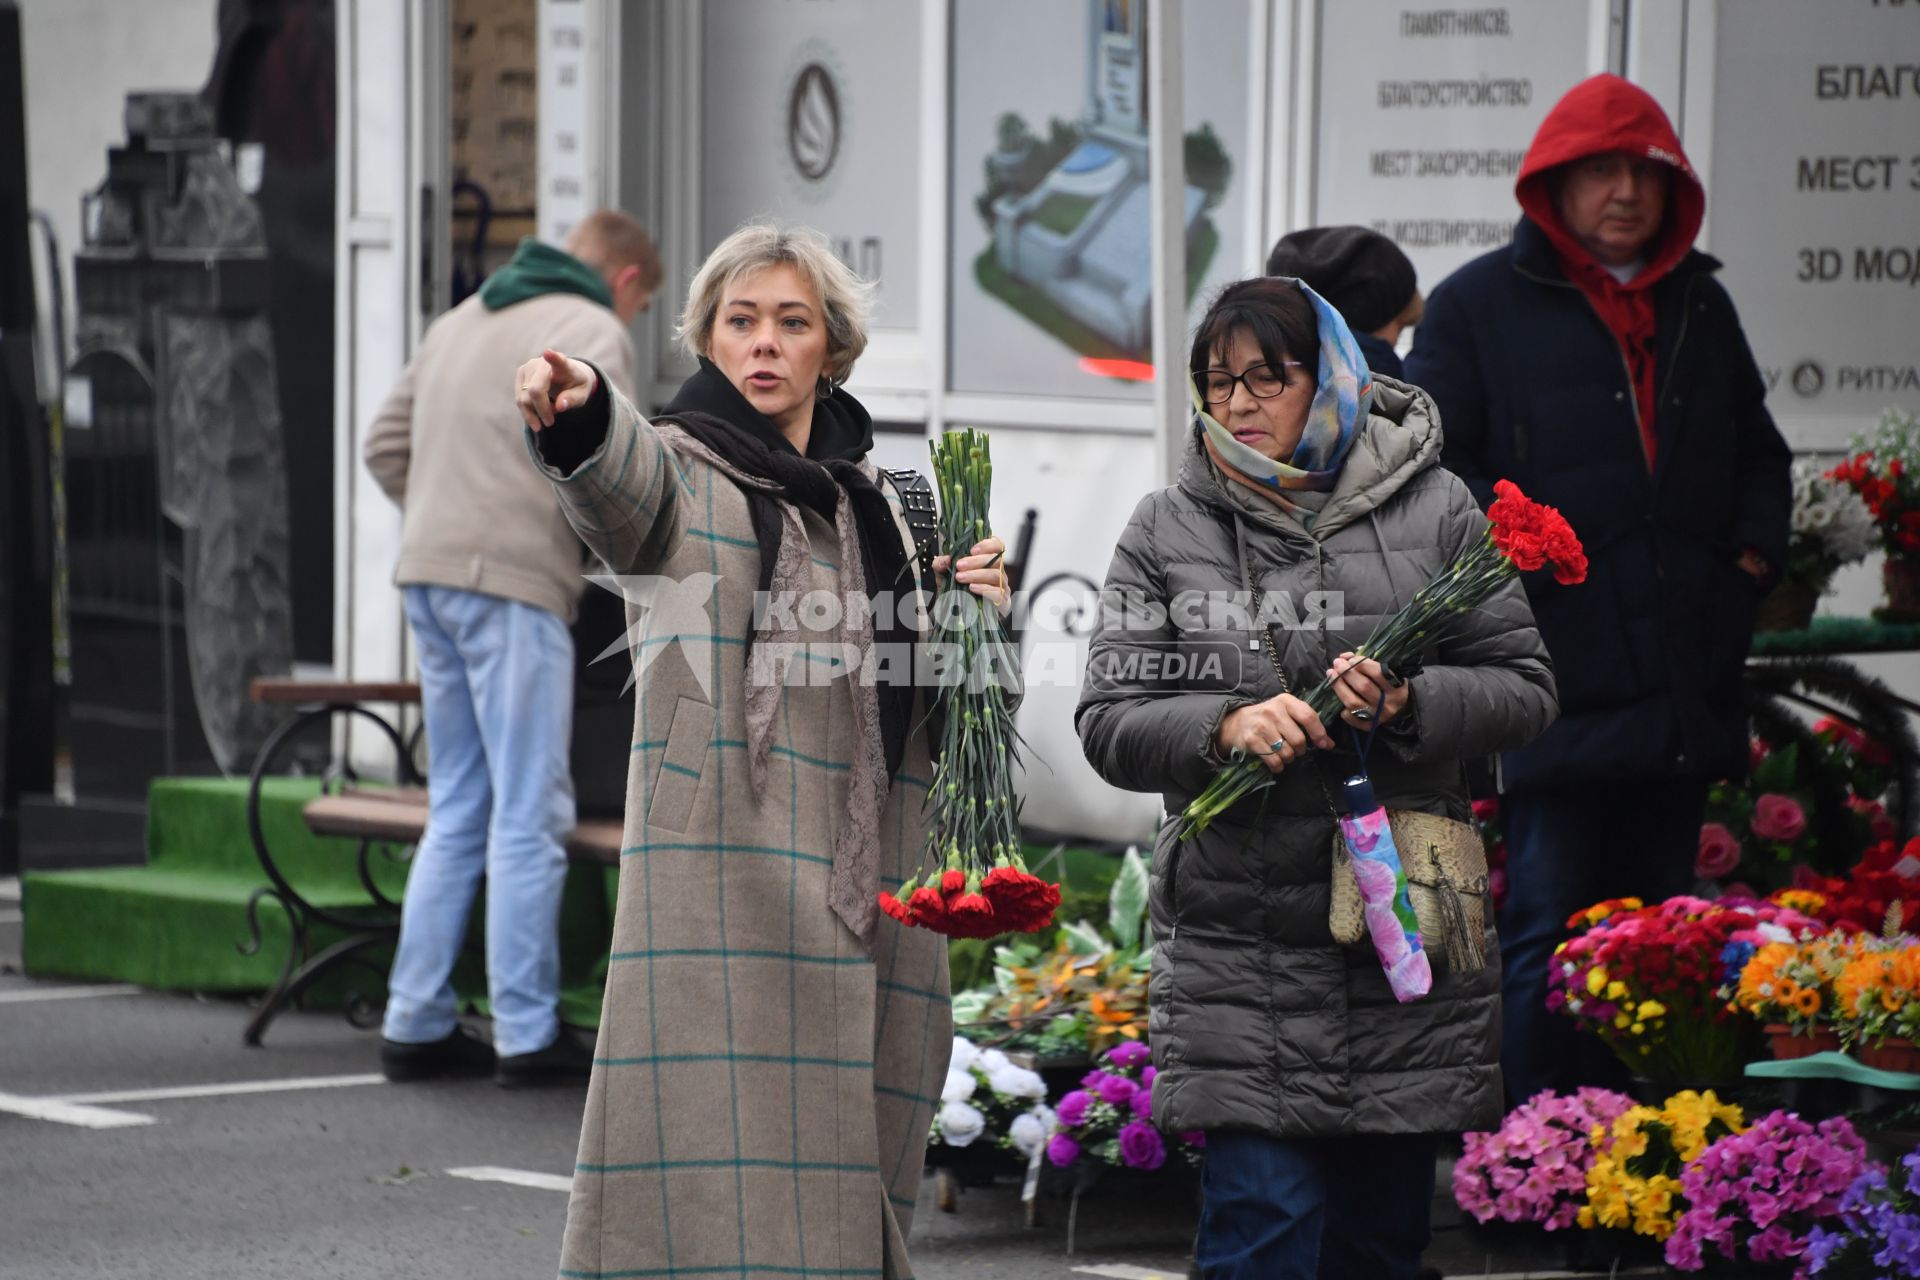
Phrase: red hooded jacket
(1600, 114)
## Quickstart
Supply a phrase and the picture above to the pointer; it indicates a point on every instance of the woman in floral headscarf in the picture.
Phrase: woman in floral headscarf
(1311, 503)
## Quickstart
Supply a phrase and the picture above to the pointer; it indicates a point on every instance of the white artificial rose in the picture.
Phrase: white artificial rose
(991, 1060)
(1016, 1082)
(1028, 1133)
(960, 1124)
(959, 1087)
(964, 1054)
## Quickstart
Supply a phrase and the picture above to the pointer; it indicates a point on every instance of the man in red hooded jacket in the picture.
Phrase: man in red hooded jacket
(1597, 363)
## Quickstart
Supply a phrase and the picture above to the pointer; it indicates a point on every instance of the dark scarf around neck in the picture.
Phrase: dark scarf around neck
(709, 408)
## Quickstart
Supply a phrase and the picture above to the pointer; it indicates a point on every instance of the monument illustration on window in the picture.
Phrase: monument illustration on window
(1069, 213)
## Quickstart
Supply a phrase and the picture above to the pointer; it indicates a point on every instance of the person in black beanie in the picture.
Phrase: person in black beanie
(1366, 277)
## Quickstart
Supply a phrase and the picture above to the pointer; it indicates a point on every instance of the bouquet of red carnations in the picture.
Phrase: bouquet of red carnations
(1521, 535)
(977, 885)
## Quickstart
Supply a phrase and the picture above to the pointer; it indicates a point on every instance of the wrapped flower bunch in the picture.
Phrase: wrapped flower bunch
(1533, 1168)
(1109, 1118)
(1756, 1195)
(1634, 1181)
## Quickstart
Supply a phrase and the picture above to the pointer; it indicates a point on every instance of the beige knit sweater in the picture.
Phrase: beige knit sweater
(447, 447)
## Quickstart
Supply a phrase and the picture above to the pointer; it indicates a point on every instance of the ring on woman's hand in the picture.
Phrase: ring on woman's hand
(1361, 714)
(1277, 745)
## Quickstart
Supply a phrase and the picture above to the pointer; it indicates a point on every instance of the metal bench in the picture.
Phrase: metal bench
(379, 818)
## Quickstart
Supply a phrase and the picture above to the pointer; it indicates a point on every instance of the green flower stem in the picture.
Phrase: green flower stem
(1396, 642)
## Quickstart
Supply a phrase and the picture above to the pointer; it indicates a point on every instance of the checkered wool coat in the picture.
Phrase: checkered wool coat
(763, 1084)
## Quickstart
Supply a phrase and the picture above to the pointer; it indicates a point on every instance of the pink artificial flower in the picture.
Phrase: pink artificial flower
(1778, 817)
(1719, 852)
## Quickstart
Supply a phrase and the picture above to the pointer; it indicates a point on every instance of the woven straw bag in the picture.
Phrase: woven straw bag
(1446, 867)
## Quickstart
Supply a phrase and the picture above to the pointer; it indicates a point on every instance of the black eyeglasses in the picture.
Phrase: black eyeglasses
(1263, 382)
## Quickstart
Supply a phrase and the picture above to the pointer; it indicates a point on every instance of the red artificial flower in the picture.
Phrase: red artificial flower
(894, 908)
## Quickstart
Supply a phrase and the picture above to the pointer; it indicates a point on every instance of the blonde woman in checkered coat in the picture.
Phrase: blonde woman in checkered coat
(771, 1050)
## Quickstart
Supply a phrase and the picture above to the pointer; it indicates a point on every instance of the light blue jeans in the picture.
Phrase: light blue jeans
(496, 681)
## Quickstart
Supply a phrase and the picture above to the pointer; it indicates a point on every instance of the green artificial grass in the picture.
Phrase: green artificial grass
(175, 923)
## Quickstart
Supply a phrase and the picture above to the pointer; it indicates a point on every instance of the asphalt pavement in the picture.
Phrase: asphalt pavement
(140, 1138)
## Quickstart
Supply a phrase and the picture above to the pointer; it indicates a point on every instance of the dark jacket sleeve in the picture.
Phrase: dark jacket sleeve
(1444, 364)
(1136, 736)
(1763, 515)
(1491, 685)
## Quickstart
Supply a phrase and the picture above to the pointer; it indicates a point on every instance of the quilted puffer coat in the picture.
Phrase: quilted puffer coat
(1259, 1020)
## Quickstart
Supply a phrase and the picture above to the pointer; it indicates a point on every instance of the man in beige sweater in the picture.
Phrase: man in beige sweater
(492, 575)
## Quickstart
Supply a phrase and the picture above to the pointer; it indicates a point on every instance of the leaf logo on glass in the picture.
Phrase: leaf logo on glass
(813, 122)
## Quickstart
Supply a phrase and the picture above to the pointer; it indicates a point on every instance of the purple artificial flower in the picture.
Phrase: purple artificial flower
(1195, 1137)
(1118, 1091)
(1128, 1054)
(1756, 1195)
(1148, 1076)
(1072, 1111)
(1141, 1147)
(1142, 1102)
(1062, 1150)
(1092, 1079)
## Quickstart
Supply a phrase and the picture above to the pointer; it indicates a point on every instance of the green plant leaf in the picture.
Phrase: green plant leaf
(970, 1006)
(1083, 939)
(1127, 902)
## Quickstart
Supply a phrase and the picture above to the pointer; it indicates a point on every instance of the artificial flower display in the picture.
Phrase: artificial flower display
(1756, 1195)
(1533, 1168)
(1648, 980)
(1875, 1234)
(1634, 1180)
(1109, 1118)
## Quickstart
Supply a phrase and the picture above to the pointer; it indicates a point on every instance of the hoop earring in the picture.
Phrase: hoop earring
(823, 388)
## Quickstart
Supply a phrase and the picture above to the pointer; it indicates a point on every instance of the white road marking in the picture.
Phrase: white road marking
(60, 1111)
(294, 1084)
(12, 917)
(1126, 1271)
(514, 1177)
(35, 995)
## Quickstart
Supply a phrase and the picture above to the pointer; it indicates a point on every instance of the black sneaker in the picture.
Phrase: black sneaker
(461, 1053)
(565, 1061)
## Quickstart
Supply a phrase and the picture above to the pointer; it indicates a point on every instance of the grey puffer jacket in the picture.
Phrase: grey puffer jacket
(1260, 1021)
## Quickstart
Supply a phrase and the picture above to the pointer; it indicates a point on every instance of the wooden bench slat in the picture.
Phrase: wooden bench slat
(400, 814)
(282, 690)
